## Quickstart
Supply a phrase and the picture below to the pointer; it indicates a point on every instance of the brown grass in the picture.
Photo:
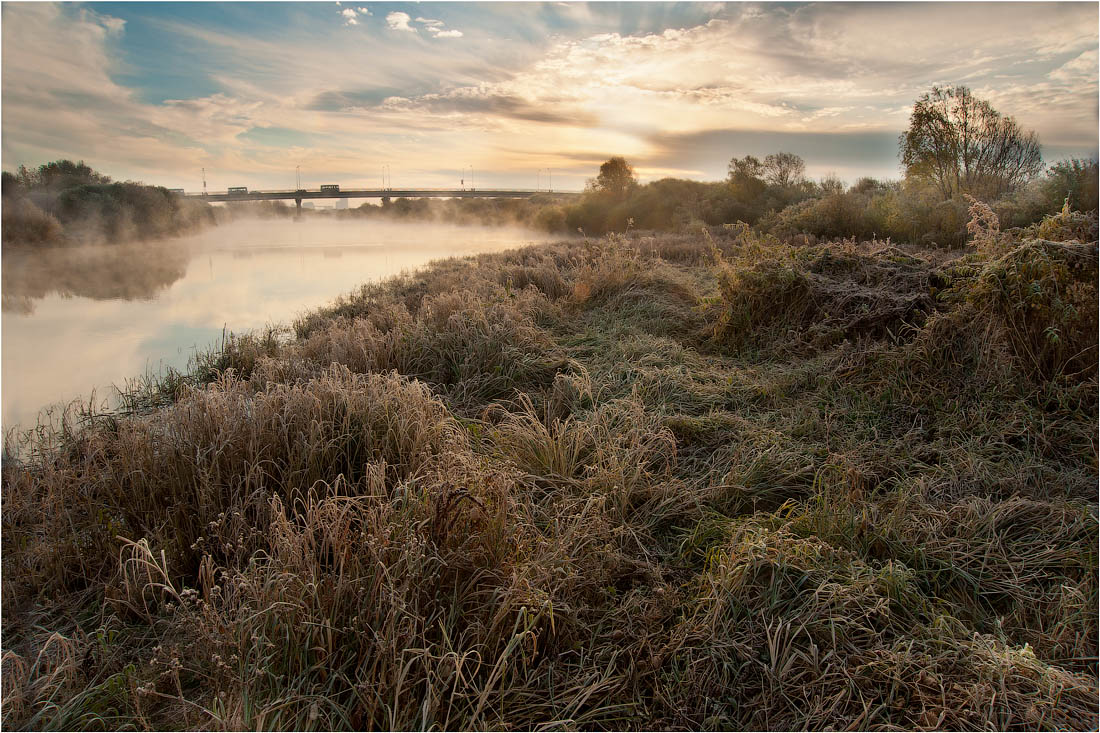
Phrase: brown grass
(684, 482)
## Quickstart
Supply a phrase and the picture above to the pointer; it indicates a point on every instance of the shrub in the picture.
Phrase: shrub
(1067, 226)
(1042, 298)
(984, 227)
(26, 223)
(1075, 180)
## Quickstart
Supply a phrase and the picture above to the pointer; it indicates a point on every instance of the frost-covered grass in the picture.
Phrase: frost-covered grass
(646, 482)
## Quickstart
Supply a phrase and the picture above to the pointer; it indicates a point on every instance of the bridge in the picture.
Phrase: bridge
(302, 194)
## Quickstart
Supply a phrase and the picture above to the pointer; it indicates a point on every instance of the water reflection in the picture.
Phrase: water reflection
(78, 320)
(127, 272)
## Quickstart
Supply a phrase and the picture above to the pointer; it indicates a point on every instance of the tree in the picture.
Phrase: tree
(744, 170)
(616, 177)
(746, 179)
(869, 186)
(58, 175)
(783, 169)
(830, 185)
(10, 184)
(960, 144)
(65, 173)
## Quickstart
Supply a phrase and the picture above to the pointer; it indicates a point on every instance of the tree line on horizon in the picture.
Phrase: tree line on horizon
(956, 146)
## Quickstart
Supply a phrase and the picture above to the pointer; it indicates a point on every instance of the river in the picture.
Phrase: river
(78, 321)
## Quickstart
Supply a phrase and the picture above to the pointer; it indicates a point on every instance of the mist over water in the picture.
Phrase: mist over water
(78, 320)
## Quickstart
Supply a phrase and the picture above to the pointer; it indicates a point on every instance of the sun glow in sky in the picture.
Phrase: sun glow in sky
(157, 91)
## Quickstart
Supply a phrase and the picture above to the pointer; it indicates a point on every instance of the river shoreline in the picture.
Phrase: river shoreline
(140, 310)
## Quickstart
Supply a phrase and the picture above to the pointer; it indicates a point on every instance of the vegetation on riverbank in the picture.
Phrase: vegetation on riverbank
(905, 211)
(717, 480)
(65, 203)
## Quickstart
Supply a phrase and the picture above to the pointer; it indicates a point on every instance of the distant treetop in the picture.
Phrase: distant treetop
(616, 177)
(57, 175)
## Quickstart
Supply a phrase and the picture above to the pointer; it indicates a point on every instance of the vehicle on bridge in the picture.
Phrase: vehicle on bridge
(238, 189)
(175, 190)
(330, 188)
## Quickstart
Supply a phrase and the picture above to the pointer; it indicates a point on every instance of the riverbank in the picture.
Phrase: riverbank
(675, 481)
(99, 212)
(126, 310)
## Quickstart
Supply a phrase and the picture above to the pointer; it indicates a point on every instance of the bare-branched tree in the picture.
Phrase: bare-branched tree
(783, 169)
(961, 144)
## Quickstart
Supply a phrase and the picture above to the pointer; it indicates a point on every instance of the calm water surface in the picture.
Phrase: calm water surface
(78, 321)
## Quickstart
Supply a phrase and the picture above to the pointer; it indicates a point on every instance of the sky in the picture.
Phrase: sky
(519, 94)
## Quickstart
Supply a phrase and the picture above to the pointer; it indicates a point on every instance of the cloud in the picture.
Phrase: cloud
(485, 102)
(114, 26)
(436, 28)
(59, 94)
(521, 93)
(399, 21)
(364, 11)
(1056, 98)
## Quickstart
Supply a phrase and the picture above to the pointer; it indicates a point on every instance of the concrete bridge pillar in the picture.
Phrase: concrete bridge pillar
(298, 209)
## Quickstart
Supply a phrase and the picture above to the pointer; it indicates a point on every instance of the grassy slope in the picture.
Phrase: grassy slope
(650, 482)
